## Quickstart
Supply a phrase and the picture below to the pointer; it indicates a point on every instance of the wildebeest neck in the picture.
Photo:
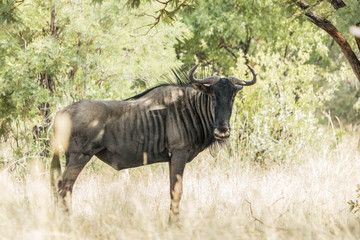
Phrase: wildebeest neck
(190, 114)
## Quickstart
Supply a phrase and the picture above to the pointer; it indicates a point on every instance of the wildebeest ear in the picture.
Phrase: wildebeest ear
(201, 87)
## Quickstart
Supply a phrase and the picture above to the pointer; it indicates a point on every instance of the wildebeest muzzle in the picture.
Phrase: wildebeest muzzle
(222, 133)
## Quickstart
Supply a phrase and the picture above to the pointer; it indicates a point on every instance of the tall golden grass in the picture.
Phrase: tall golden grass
(224, 198)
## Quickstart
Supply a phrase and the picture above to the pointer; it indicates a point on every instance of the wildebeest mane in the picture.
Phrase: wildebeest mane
(144, 93)
(179, 77)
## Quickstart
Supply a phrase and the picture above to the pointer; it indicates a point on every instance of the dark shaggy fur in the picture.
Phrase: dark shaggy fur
(180, 77)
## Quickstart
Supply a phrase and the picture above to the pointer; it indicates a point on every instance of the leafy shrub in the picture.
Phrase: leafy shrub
(344, 104)
(275, 118)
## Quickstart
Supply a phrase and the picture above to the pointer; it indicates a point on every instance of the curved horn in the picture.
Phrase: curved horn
(237, 81)
(208, 80)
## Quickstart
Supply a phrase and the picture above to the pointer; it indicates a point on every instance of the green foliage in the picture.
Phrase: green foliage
(8, 10)
(58, 52)
(275, 118)
(53, 53)
(167, 10)
(344, 104)
(222, 28)
(342, 19)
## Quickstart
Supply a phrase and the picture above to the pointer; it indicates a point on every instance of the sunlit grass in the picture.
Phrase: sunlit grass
(224, 198)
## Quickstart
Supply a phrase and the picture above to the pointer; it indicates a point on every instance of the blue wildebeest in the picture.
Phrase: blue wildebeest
(169, 123)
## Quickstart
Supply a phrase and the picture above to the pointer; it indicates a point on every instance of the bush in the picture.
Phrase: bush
(275, 118)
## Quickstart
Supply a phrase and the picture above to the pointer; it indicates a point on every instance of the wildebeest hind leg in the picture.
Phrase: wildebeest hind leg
(75, 162)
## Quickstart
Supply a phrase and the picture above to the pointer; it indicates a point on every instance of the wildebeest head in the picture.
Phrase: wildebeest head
(223, 92)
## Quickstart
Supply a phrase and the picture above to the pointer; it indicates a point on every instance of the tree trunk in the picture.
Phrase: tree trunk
(337, 4)
(327, 26)
(357, 38)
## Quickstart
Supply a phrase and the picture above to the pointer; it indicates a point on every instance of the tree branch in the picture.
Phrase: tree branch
(20, 34)
(163, 12)
(227, 48)
(337, 4)
(327, 26)
(53, 29)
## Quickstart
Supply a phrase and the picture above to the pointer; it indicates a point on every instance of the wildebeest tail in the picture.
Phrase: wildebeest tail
(55, 168)
(62, 131)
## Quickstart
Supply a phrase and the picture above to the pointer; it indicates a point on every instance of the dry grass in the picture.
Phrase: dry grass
(223, 199)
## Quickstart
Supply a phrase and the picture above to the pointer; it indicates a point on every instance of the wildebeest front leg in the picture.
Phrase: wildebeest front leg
(177, 165)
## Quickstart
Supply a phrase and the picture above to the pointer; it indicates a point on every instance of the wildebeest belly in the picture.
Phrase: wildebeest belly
(124, 157)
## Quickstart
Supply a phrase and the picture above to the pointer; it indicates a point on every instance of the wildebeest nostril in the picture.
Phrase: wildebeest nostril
(221, 134)
(223, 128)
